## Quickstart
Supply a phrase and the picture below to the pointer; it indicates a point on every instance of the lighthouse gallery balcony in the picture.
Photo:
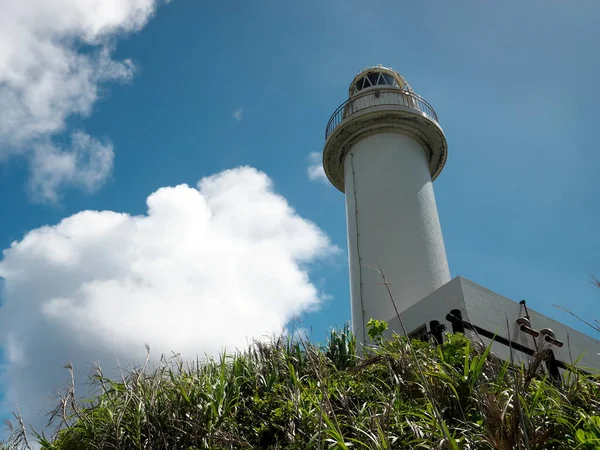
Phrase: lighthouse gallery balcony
(377, 97)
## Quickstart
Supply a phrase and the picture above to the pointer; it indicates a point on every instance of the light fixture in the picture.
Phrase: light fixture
(525, 326)
(550, 337)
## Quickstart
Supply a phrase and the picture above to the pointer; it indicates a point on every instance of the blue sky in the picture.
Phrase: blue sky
(514, 85)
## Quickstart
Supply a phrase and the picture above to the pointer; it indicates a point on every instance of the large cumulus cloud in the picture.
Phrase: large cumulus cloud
(206, 267)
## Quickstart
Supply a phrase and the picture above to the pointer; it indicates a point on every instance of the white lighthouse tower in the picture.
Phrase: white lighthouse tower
(383, 149)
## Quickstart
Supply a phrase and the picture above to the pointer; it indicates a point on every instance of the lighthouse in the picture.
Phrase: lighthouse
(384, 147)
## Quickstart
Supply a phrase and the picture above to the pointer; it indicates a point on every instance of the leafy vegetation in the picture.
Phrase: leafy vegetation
(289, 394)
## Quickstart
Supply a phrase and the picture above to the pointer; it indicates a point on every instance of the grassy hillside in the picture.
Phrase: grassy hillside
(294, 395)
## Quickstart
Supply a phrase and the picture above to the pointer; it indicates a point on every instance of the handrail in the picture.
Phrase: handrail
(378, 97)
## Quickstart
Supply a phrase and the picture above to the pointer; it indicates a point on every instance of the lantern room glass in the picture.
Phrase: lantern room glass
(374, 79)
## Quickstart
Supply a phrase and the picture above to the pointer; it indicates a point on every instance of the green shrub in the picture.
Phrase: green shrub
(295, 395)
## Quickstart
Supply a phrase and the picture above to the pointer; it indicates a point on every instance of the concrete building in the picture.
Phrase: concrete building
(384, 147)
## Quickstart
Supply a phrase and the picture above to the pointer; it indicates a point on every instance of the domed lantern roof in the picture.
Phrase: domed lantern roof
(378, 76)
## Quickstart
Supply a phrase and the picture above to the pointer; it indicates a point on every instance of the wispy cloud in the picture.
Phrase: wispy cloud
(315, 169)
(85, 164)
(45, 78)
(238, 114)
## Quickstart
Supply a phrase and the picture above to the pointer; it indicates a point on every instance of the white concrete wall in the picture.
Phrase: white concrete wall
(433, 307)
(490, 311)
(393, 223)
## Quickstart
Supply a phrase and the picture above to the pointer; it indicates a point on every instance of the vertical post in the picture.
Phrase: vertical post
(457, 324)
(436, 329)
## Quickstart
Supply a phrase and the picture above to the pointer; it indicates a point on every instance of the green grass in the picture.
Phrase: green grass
(294, 395)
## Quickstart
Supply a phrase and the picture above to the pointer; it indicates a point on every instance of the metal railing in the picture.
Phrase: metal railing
(378, 97)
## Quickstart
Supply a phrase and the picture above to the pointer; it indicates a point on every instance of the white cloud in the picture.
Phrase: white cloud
(238, 114)
(204, 268)
(46, 77)
(315, 169)
(86, 163)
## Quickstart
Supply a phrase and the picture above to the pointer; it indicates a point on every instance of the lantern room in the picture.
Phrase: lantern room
(378, 76)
